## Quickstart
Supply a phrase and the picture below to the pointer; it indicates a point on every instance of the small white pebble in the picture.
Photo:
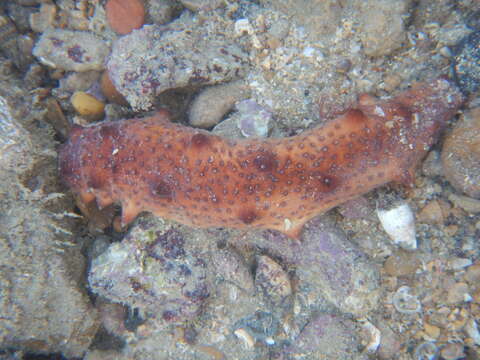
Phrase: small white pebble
(399, 224)
(243, 26)
(247, 339)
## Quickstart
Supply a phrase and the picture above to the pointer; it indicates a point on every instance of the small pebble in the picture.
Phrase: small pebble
(272, 279)
(125, 15)
(431, 213)
(71, 50)
(432, 331)
(254, 120)
(457, 263)
(110, 92)
(389, 342)
(468, 204)
(472, 275)
(401, 263)
(472, 331)
(211, 105)
(247, 339)
(327, 336)
(231, 266)
(87, 105)
(452, 351)
(457, 293)
(426, 351)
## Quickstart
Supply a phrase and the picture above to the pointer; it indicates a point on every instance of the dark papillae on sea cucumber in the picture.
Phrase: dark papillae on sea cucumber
(203, 180)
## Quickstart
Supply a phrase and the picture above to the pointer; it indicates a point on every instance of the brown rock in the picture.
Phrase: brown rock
(110, 91)
(125, 15)
(472, 276)
(431, 213)
(401, 264)
(457, 293)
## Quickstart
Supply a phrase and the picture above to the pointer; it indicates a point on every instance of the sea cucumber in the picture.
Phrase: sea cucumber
(203, 180)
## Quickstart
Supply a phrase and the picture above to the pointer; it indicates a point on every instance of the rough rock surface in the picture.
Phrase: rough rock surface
(42, 307)
(154, 268)
(71, 50)
(328, 336)
(329, 265)
(461, 155)
(185, 53)
(382, 26)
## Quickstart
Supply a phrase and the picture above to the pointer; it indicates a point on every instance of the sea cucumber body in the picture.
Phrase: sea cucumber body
(203, 180)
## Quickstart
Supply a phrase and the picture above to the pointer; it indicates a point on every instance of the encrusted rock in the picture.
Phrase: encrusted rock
(327, 336)
(272, 279)
(232, 267)
(154, 269)
(382, 26)
(186, 54)
(461, 155)
(43, 308)
(467, 63)
(253, 119)
(71, 50)
(328, 264)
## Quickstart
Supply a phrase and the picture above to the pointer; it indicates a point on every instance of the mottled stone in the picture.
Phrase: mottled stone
(382, 28)
(154, 269)
(327, 336)
(71, 50)
(230, 266)
(461, 155)
(43, 307)
(272, 280)
(185, 54)
(328, 264)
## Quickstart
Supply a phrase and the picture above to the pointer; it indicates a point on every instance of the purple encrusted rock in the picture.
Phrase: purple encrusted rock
(156, 58)
(328, 264)
(155, 270)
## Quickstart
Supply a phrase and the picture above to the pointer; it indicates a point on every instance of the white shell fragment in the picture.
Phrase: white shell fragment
(374, 336)
(399, 223)
(405, 302)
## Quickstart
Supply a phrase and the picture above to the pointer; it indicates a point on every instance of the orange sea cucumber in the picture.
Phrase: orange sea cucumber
(203, 180)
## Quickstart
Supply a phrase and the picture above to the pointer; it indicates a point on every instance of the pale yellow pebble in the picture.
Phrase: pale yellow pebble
(432, 331)
(87, 105)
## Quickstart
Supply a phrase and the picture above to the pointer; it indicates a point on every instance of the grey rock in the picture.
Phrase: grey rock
(253, 119)
(71, 50)
(230, 266)
(155, 269)
(329, 265)
(153, 59)
(160, 11)
(461, 155)
(327, 336)
(43, 308)
(214, 102)
(382, 25)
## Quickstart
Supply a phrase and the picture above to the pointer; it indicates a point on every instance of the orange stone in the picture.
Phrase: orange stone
(125, 15)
